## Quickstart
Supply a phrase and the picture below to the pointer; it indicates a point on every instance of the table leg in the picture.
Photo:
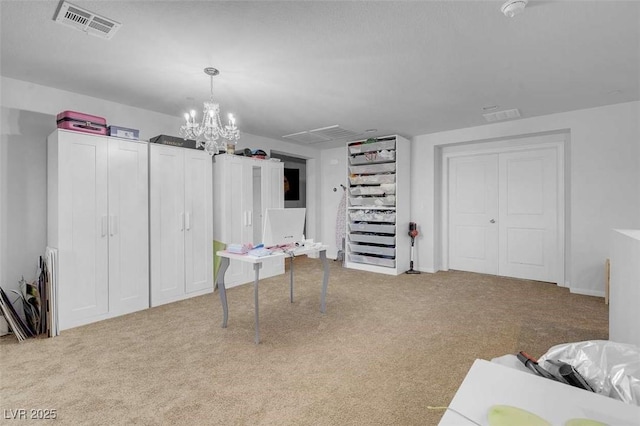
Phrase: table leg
(325, 280)
(224, 264)
(291, 279)
(256, 267)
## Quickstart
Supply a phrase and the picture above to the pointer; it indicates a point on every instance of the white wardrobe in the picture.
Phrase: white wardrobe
(181, 224)
(244, 188)
(98, 214)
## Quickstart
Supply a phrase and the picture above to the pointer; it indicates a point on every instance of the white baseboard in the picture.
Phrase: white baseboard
(586, 292)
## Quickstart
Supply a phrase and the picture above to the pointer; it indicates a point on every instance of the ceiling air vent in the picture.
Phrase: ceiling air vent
(323, 134)
(502, 115)
(88, 22)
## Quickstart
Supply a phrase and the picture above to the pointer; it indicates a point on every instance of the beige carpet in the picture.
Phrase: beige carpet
(387, 348)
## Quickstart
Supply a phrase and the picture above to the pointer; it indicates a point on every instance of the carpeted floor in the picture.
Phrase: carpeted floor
(386, 348)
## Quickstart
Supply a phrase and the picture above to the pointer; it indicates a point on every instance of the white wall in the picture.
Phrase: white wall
(27, 116)
(604, 193)
(334, 174)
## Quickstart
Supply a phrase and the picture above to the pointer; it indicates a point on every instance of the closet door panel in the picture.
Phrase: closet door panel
(198, 222)
(128, 226)
(272, 197)
(167, 223)
(83, 240)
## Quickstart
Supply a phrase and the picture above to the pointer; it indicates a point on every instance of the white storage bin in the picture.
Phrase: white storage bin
(373, 157)
(373, 239)
(367, 147)
(389, 200)
(378, 261)
(372, 168)
(372, 179)
(373, 216)
(372, 227)
(363, 248)
(384, 189)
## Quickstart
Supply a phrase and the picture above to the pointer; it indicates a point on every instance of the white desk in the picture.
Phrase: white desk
(257, 264)
(488, 384)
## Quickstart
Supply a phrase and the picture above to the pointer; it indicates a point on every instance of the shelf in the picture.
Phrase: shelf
(377, 170)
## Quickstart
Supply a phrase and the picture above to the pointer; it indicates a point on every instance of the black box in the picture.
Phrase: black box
(175, 141)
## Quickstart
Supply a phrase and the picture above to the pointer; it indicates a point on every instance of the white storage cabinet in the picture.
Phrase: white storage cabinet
(97, 217)
(181, 224)
(244, 188)
(378, 205)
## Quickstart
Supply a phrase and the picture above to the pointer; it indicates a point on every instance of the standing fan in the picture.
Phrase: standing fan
(413, 233)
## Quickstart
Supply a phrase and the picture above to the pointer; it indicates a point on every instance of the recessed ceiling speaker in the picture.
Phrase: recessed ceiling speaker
(513, 7)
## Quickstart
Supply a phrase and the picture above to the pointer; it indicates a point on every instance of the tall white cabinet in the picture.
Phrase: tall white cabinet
(98, 213)
(378, 205)
(181, 224)
(244, 188)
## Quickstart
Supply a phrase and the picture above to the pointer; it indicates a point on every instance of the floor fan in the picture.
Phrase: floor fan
(413, 233)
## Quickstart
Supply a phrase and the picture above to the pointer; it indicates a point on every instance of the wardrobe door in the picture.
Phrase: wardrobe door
(83, 230)
(198, 225)
(128, 226)
(167, 223)
(272, 188)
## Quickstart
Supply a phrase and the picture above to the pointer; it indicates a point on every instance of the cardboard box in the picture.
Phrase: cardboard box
(175, 141)
(123, 132)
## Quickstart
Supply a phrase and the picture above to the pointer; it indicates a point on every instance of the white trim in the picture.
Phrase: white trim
(554, 141)
(587, 292)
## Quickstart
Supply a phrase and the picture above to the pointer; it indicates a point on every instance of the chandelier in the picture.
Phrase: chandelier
(209, 133)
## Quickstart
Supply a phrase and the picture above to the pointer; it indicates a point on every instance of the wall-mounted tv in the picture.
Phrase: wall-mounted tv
(291, 184)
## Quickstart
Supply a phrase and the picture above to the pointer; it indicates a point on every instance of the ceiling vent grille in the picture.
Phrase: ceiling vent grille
(502, 115)
(323, 134)
(83, 20)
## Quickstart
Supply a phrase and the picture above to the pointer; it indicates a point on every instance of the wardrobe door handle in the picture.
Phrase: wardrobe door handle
(187, 220)
(113, 225)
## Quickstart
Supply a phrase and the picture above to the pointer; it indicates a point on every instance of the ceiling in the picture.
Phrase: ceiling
(406, 67)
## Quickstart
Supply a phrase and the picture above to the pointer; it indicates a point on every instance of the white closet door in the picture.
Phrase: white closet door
(167, 223)
(528, 215)
(473, 213)
(198, 214)
(83, 233)
(128, 226)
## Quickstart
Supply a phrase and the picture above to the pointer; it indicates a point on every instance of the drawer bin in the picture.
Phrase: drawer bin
(371, 260)
(371, 227)
(372, 168)
(373, 239)
(363, 248)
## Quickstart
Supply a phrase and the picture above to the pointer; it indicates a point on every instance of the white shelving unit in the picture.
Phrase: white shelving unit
(378, 205)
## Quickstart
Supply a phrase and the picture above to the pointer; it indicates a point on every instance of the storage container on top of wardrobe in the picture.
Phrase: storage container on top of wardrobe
(378, 205)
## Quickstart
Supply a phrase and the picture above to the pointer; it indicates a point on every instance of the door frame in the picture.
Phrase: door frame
(552, 141)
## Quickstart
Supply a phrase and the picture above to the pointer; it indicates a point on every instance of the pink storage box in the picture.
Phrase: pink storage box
(78, 121)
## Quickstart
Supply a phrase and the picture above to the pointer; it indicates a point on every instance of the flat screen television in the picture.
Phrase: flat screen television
(283, 226)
